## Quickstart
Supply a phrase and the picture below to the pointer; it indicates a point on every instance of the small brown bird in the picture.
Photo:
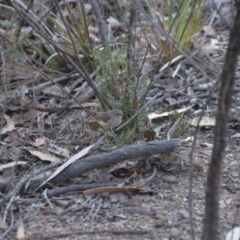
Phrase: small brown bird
(109, 119)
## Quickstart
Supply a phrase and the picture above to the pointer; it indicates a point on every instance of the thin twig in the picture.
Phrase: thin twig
(100, 22)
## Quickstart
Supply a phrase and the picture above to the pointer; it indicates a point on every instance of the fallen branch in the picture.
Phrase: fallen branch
(97, 162)
(117, 156)
(79, 188)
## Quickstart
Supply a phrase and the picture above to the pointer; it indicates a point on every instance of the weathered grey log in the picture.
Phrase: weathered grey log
(117, 156)
(100, 161)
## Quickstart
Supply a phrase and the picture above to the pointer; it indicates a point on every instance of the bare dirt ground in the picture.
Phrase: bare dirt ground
(163, 214)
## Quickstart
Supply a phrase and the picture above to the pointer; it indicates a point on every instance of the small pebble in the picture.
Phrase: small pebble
(170, 179)
(175, 232)
(184, 213)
